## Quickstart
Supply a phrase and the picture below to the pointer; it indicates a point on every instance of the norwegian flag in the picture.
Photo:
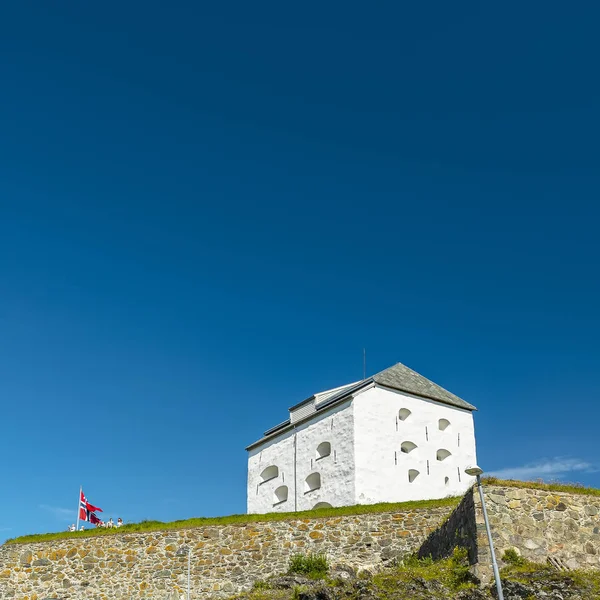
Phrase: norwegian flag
(95, 520)
(86, 510)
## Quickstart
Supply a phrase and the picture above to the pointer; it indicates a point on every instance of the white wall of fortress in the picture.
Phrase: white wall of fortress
(382, 469)
(366, 463)
(336, 470)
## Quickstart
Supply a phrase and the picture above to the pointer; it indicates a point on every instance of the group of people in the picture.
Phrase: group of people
(109, 524)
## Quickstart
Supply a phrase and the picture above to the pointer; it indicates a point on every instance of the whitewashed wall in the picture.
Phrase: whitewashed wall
(279, 452)
(366, 464)
(382, 468)
(336, 470)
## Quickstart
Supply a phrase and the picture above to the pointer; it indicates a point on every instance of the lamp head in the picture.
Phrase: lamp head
(474, 471)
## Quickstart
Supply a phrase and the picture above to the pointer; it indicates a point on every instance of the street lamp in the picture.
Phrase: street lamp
(476, 471)
(182, 552)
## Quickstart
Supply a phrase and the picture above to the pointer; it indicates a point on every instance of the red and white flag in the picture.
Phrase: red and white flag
(86, 510)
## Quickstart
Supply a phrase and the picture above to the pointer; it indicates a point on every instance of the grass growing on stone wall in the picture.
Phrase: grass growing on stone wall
(452, 572)
(148, 526)
(426, 579)
(412, 579)
(313, 566)
(568, 488)
(525, 571)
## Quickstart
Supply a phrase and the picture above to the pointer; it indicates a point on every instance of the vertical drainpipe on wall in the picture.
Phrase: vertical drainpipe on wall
(295, 482)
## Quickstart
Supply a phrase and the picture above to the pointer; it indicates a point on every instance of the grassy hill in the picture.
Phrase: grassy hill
(310, 578)
(321, 512)
(145, 526)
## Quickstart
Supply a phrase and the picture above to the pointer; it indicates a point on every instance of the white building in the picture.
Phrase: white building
(393, 437)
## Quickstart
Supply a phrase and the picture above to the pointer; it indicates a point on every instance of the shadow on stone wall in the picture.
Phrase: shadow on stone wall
(459, 530)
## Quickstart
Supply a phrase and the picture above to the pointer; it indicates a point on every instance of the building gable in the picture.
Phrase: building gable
(398, 377)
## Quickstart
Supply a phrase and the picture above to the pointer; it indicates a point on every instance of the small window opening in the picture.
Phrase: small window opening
(442, 454)
(403, 414)
(443, 424)
(459, 439)
(426, 434)
(396, 423)
(458, 469)
(322, 505)
(427, 467)
(446, 480)
(334, 456)
(311, 464)
(269, 473)
(412, 475)
(323, 450)
(407, 447)
(312, 482)
(395, 458)
(280, 495)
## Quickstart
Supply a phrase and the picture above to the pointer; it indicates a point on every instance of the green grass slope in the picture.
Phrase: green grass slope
(567, 488)
(424, 579)
(359, 509)
(146, 526)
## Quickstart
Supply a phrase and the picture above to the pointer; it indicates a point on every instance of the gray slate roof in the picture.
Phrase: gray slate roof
(400, 377)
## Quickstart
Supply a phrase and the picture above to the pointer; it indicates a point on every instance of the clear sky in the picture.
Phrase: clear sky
(209, 209)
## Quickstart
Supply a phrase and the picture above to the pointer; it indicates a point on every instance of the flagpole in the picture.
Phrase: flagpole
(78, 506)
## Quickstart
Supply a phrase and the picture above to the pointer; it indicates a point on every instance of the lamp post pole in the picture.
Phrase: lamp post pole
(189, 568)
(477, 472)
(181, 552)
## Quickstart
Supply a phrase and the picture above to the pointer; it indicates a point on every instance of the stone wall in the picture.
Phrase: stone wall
(562, 528)
(555, 527)
(225, 559)
(543, 526)
(459, 530)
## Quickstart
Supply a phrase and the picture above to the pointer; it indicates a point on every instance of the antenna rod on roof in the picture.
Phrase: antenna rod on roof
(364, 364)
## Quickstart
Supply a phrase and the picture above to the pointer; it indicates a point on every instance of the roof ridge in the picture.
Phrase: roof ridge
(401, 377)
(397, 377)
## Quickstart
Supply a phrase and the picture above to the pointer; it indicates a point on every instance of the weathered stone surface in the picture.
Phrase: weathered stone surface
(589, 548)
(459, 530)
(542, 526)
(556, 526)
(225, 559)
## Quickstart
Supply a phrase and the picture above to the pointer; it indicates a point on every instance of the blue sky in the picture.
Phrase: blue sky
(208, 211)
